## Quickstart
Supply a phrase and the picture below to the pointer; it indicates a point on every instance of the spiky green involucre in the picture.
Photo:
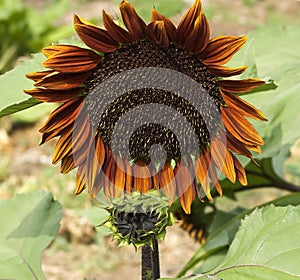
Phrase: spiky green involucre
(139, 218)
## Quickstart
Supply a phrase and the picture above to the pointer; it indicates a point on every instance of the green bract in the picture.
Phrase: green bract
(139, 218)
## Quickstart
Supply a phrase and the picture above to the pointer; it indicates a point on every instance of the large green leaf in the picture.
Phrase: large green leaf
(266, 246)
(29, 222)
(224, 232)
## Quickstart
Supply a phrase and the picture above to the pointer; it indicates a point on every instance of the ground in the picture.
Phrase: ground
(75, 254)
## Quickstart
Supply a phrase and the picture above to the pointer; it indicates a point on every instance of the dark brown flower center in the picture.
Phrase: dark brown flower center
(173, 105)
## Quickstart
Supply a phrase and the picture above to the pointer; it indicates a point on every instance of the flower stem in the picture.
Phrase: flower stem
(150, 262)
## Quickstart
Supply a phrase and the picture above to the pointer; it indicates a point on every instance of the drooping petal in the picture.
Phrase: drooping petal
(167, 181)
(74, 60)
(135, 25)
(237, 146)
(240, 86)
(243, 106)
(222, 157)
(120, 174)
(93, 36)
(67, 164)
(95, 161)
(239, 127)
(63, 116)
(80, 179)
(46, 95)
(142, 177)
(36, 76)
(202, 172)
(240, 171)
(187, 23)
(185, 187)
(169, 26)
(158, 33)
(223, 71)
(129, 176)
(115, 31)
(221, 49)
(62, 81)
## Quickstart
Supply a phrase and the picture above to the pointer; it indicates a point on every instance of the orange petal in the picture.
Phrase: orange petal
(36, 76)
(202, 172)
(142, 178)
(108, 179)
(186, 192)
(169, 26)
(240, 171)
(223, 159)
(54, 95)
(67, 164)
(239, 86)
(167, 181)
(115, 31)
(158, 33)
(63, 147)
(80, 179)
(62, 81)
(75, 61)
(221, 49)
(135, 25)
(239, 127)
(237, 146)
(58, 49)
(63, 116)
(187, 23)
(95, 37)
(198, 39)
(120, 174)
(243, 106)
(223, 71)
(95, 162)
(129, 176)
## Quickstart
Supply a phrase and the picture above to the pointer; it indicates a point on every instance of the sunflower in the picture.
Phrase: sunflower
(86, 126)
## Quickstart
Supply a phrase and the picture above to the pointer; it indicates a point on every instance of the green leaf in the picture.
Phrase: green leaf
(29, 222)
(17, 107)
(12, 84)
(224, 233)
(266, 246)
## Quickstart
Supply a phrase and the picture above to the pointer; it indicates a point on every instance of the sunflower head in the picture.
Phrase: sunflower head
(148, 106)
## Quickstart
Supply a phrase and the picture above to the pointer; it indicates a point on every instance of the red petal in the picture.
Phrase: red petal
(243, 106)
(135, 25)
(239, 86)
(169, 26)
(221, 49)
(54, 95)
(157, 32)
(187, 23)
(95, 37)
(115, 31)
(62, 81)
(222, 71)
(74, 61)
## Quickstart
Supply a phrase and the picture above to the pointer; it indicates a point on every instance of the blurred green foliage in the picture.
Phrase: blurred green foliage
(25, 30)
